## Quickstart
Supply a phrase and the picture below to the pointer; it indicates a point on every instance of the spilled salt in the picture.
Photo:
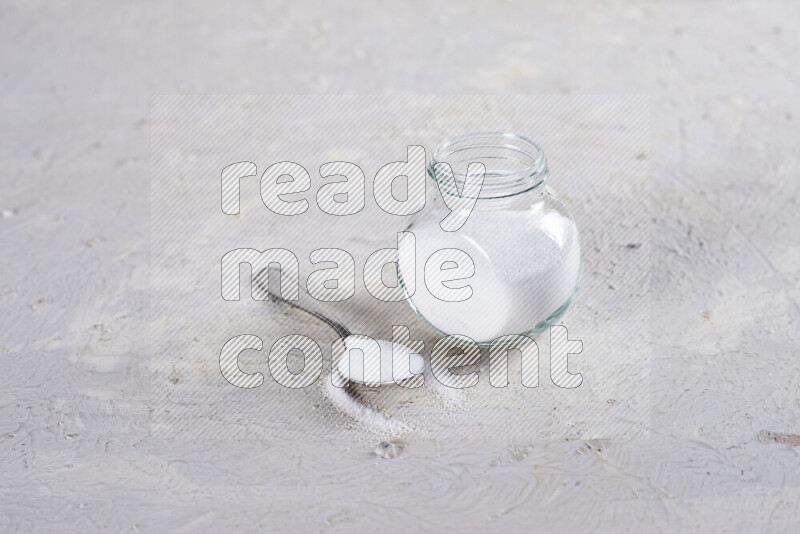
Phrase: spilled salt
(379, 423)
(365, 416)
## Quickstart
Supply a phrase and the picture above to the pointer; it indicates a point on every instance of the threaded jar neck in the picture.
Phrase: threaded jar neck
(514, 164)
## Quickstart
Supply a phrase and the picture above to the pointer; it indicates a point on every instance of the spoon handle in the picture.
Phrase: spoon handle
(313, 308)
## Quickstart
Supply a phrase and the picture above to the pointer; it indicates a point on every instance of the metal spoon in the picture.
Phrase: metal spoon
(354, 364)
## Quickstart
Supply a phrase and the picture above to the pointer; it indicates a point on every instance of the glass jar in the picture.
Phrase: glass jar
(520, 237)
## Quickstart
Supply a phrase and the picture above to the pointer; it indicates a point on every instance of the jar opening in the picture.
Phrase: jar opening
(514, 164)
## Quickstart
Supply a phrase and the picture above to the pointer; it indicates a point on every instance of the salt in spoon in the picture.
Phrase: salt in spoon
(351, 364)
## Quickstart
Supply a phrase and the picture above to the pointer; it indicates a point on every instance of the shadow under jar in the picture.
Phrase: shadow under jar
(520, 237)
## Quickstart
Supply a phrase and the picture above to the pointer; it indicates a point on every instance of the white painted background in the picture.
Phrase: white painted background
(722, 450)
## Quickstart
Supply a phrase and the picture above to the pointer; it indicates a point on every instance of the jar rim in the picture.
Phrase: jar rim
(514, 164)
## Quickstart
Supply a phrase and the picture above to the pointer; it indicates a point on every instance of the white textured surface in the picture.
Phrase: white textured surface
(192, 138)
(722, 452)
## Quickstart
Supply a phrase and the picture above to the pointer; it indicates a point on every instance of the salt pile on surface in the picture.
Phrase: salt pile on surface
(368, 418)
(376, 422)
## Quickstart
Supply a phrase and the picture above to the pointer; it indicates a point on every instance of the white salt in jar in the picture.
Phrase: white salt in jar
(520, 237)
